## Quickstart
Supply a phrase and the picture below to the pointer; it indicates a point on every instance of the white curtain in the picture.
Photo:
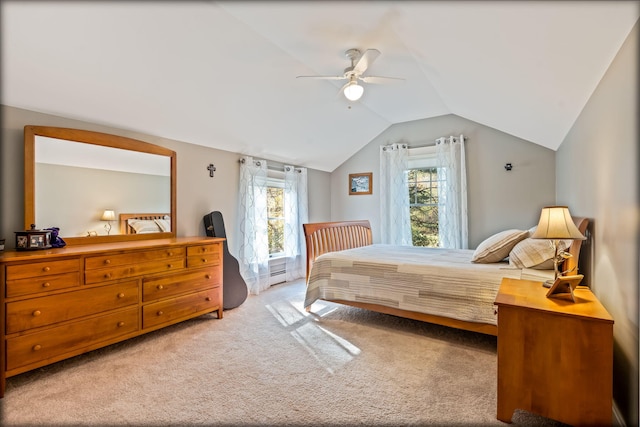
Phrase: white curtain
(452, 194)
(395, 223)
(296, 213)
(253, 255)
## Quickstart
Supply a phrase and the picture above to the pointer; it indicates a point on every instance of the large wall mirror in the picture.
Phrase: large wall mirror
(98, 187)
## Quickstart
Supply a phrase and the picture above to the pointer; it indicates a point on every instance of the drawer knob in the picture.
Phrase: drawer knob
(169, 265)
(107, 276)
(207, 299)
(121, 295)
(46, 269)
(120, 324)
(37, 347)
(169, 253)
(204, 260)
(107, 261)
(160, 313)
(207, 276)
(36, 313)
(46, 284)
(160, 287)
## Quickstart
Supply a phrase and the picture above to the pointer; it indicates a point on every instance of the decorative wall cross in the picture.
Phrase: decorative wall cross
(211, 168)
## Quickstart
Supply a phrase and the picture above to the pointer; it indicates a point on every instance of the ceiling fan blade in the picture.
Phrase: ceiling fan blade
(366, 59)
(381, 79)
(323, 77)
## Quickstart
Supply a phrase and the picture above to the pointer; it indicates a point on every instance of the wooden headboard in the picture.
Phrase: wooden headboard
(123, 217)
(323, 237)
(570, 265)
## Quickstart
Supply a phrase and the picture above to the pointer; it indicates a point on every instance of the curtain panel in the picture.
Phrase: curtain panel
(296, 213)
(395, 223)
(253, 255)
(452, 194)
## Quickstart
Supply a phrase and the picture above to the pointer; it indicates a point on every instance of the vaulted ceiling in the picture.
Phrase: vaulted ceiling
(223, 74)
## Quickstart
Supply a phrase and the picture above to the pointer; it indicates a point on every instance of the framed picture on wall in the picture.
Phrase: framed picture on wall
(360, 183)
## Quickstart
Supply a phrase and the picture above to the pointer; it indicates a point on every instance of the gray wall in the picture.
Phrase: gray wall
(597, 175)
(497, 199)
(197, 193)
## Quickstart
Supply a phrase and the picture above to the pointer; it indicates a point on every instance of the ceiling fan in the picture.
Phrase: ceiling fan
(360, 61)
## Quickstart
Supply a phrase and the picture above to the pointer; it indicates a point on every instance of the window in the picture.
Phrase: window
(422, 180)
(423, 206)
(275, 217)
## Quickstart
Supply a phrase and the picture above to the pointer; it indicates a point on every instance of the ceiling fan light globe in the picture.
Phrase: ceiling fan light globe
(353, 91)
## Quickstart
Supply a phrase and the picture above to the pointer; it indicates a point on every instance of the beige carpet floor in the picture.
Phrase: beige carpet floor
(268, 362)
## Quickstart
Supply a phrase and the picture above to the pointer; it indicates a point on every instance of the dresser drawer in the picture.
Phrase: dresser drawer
(42, 311)
(182, 307)
(199, 256)
(113, 260)
(44, 268)
(126, 271)
(32, 348)
(204, 249)
(167, 286)
(33, 285)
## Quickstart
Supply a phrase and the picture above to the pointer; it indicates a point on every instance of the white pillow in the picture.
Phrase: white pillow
(497, 247)
(143, 226)
(164, 224)
(535, 253)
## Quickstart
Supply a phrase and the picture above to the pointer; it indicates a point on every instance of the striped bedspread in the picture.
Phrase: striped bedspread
(442, 282)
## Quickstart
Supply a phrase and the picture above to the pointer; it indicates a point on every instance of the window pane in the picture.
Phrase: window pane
(275, 222)
(276, 235)
(423, 202)
(275, 204)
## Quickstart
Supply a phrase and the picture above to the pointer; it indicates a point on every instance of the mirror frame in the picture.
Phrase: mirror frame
(96, 138)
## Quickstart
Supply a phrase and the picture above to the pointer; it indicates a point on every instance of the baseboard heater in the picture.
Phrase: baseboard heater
(277, 271)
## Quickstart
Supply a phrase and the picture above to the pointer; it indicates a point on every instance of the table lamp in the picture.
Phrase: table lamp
(108, 216)
(556, 224)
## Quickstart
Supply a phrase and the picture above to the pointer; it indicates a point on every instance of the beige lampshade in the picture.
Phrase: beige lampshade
(108, 215)
(556, 223)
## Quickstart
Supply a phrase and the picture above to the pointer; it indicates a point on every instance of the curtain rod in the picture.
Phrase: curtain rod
(431, 144)
(273, 168)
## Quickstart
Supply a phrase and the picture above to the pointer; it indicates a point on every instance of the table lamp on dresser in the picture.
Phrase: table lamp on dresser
(556, 224)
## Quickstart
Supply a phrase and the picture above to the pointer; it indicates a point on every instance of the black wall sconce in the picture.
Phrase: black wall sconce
(508, 167)
(211, 168)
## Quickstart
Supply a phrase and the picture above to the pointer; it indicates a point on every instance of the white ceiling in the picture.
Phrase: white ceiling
(223, 74)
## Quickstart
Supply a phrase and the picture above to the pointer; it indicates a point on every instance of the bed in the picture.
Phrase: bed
(436, 285)
(142, 223)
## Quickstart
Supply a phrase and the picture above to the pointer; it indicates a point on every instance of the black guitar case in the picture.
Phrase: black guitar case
(234, 289)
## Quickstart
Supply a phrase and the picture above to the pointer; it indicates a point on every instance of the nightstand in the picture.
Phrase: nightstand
(555, 357)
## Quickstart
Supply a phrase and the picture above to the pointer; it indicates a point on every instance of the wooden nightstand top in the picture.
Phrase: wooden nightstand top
(532, 295)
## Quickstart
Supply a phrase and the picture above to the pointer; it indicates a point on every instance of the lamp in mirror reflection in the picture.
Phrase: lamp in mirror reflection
(108, 215)
(556, 224)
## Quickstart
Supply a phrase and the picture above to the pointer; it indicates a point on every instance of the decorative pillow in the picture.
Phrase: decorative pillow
(535, 253)
(164, 224)
(497, 247)
(143, 226)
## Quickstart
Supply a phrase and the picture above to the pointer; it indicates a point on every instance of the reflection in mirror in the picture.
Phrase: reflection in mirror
(73, 178)
(76, 183)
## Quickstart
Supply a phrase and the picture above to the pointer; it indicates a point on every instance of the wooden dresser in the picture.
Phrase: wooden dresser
(59, 303)
(555, 357)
